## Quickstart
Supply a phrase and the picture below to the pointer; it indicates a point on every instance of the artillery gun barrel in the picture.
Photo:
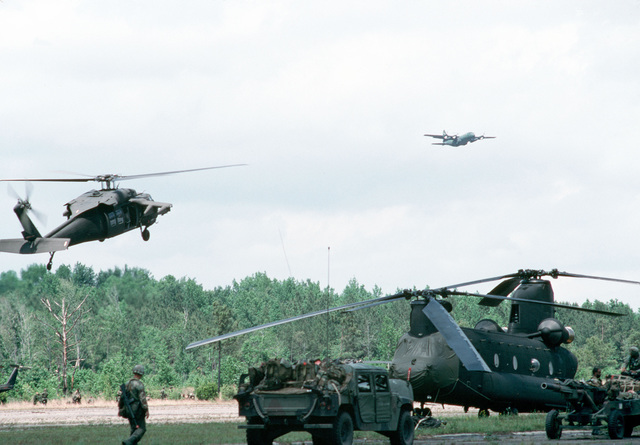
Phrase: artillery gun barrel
(573, 395)
(557, 387)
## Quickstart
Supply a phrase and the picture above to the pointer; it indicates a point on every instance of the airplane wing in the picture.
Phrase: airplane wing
(39, 245)
(163, 207)
(479, 138)
(437, 136)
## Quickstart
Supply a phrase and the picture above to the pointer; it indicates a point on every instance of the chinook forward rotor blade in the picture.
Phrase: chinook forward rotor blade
(279, 322)
(455, 338)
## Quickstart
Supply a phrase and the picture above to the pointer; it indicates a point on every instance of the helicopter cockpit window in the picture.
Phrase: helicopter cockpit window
(382, 383)
(364, 383)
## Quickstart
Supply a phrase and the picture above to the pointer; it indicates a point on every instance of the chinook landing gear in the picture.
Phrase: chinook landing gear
(145, 233)
(50, 263)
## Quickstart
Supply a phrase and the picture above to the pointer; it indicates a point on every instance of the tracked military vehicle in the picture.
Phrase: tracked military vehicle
(329, 400)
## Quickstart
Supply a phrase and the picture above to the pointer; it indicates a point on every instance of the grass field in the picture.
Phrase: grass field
(228, 433)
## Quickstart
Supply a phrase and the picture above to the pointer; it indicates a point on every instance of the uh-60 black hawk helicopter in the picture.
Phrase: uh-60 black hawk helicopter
(485, 367)
(93, 216)
(12, 378)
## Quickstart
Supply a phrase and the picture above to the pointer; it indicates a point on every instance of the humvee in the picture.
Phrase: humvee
(329, 400)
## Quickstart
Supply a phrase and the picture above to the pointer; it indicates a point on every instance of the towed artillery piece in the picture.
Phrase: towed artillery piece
(617, 404)
(329, 400)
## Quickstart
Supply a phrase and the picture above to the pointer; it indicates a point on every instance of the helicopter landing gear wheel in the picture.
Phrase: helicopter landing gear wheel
(145, 234)
(50, 263)
(484, 412)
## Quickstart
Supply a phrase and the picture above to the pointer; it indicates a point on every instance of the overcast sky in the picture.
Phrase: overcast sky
(327, 102)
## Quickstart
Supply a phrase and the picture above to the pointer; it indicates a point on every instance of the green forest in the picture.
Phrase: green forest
(81, 329)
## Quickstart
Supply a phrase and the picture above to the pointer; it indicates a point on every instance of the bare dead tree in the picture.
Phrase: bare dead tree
(67, 317)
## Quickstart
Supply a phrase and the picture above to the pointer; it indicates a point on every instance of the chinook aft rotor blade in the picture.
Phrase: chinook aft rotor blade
(503, 289)
(509, 285)
(591, 277)
(545, 303)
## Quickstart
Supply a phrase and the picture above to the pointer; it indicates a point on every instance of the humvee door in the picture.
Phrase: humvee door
(366, 398)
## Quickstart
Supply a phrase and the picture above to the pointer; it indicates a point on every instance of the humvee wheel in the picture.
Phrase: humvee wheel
(553, 425)
(404, 434)
(342, 433)
(615, 424)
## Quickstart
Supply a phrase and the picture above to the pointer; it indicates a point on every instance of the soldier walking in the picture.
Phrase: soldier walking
(138, 403)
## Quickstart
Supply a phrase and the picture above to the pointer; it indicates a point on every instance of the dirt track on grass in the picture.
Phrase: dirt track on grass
(58, 412)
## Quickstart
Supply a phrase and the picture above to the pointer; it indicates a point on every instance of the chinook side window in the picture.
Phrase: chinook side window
(364, 383)
(382, 383)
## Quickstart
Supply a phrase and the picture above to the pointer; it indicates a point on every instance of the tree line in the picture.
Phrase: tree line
(81, 329)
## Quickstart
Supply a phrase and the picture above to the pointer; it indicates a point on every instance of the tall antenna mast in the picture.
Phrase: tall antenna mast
(328, 296)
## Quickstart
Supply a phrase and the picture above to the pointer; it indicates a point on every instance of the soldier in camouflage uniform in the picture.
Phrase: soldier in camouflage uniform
(631, 365)
(596, 373)
(138, 399)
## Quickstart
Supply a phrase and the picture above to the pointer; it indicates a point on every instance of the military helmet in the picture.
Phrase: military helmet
(633, 351)
(138, 369)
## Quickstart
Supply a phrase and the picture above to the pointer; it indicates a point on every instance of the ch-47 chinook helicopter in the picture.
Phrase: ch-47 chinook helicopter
(486, 367)
(93, 216)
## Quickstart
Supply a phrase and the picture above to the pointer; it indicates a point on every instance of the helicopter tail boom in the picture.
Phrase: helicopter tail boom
(38, 245)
